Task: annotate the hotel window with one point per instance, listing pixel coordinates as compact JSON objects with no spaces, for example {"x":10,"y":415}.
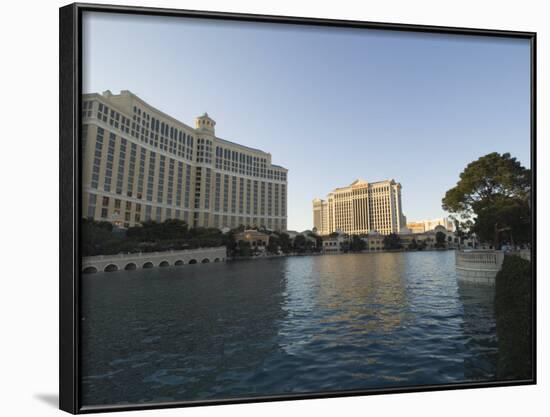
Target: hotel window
{"x":104,"y":213}
{"x":276,"y":199}
{"x":233,"y":194}
{"x":151,"y":176}
{"x":109,"y":164}
{"x":269,"y":198}
{"x":187,"y":185}
{"x":160,"y":189}
{"x":170,"y":180}
{"x":179,"y":185}
{"x":217,"y":192}
{"x":131,"y":170}
{"x":255,"y":197}
{"x":283,"y":200}
{"x":225,"y":193}
{"x":159,"y":214}
{"x":248,"y":195}
{"x":121,"y":162}
{"x":91,"y":205}
{"x":97,"y":158}
{"x":241,"y":195}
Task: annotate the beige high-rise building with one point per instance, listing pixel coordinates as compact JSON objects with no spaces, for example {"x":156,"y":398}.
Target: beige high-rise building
{"x":141,"y":164}
{"x":360,"y":208}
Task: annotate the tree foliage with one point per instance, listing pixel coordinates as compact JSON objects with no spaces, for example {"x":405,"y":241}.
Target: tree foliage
{"x":392,"y":241}
{"x":440,"y":240}
{"x":357,"y":244}
{"x":513,"y":313}
{"x":491,"y":193}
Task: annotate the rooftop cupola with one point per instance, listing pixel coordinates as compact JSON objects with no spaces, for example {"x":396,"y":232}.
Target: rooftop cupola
{"x":205,"y":123}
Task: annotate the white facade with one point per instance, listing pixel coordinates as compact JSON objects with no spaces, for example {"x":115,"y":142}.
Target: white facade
{"x":140,"y":164}
{"x":360,"y":208}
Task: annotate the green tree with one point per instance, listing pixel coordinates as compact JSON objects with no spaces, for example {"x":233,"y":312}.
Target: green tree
{"x":440,"y":239}
{"x":489,"y":190}
{"x":503,"y":218}
{"x":460,"y":232}
{"x":318,"y":245}
{"x":285,"y":243}
{"x":392,"y":241}
{"x":357,"y":244}
{"x":513,"y":314}
{"x":96,"y":235}
{"x":273,"y":245}
{"x":299,"y":244}
{"x":243,"y":248}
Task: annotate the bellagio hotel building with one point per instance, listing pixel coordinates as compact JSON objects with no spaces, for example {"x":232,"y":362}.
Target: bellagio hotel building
{"x":140,"y":164}
{"x":361,"y":208}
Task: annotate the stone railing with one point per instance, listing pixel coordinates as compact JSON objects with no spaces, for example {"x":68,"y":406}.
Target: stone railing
{"x":478,"y":266}
{"x":150,"y":255}
{"x":131,"y":261}
{"x":489,"y":259}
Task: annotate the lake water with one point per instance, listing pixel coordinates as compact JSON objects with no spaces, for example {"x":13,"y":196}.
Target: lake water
{"x":284,"y":325}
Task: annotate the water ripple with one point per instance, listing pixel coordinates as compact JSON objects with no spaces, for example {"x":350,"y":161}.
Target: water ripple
{"x":304,"y":324}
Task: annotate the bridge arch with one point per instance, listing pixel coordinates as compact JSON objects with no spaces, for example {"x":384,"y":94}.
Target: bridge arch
{"x":217,"y":260}
{"x":147,"y":265}
{"x":192,"y":261}
{"x":110,"y":268}
{"x":205,"y":261}
{"x":164,"y":264}
{"x":89,"y":270}
{"x":178,"y":262}
{"x":130,"y":266}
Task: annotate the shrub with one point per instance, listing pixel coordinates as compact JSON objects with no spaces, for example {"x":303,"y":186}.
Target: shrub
{"x":513,"y":311}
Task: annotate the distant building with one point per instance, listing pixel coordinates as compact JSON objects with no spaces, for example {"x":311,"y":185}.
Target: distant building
{"x":336,"y":242}
{"x":255,"y":238}
{"x":360,"y":208}
{"x":141,"y":164}
{"x":374,"y":241}
{"x":428,"y":238}
{"x":416,"y":227}
{"x":427,"y":225}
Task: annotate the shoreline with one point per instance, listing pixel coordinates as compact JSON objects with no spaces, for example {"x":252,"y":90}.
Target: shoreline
{"x":288,"y":255}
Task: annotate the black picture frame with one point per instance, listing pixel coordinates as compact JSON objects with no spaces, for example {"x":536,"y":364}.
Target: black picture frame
{"x":70,"y":89}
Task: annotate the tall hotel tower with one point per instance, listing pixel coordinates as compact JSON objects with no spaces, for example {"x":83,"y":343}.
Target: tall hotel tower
{"x":140,"y":164}
{"x":360,"y":208}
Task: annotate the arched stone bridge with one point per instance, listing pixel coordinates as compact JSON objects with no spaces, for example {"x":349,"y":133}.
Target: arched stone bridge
{"x":131,"y":261}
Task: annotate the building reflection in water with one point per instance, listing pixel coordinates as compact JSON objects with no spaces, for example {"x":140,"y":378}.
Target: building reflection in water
{"x":358,"y":293}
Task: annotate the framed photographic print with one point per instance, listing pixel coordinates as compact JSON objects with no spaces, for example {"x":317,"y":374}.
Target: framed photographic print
{"x":259,"y":208}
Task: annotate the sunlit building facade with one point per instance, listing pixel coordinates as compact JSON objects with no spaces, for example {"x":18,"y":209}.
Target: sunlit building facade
{"x":427,"y":225}
{"x":360,"y":208}
{"x":140,"y":164}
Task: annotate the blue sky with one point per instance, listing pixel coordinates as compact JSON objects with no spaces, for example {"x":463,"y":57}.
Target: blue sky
{"x":330,"y":104}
